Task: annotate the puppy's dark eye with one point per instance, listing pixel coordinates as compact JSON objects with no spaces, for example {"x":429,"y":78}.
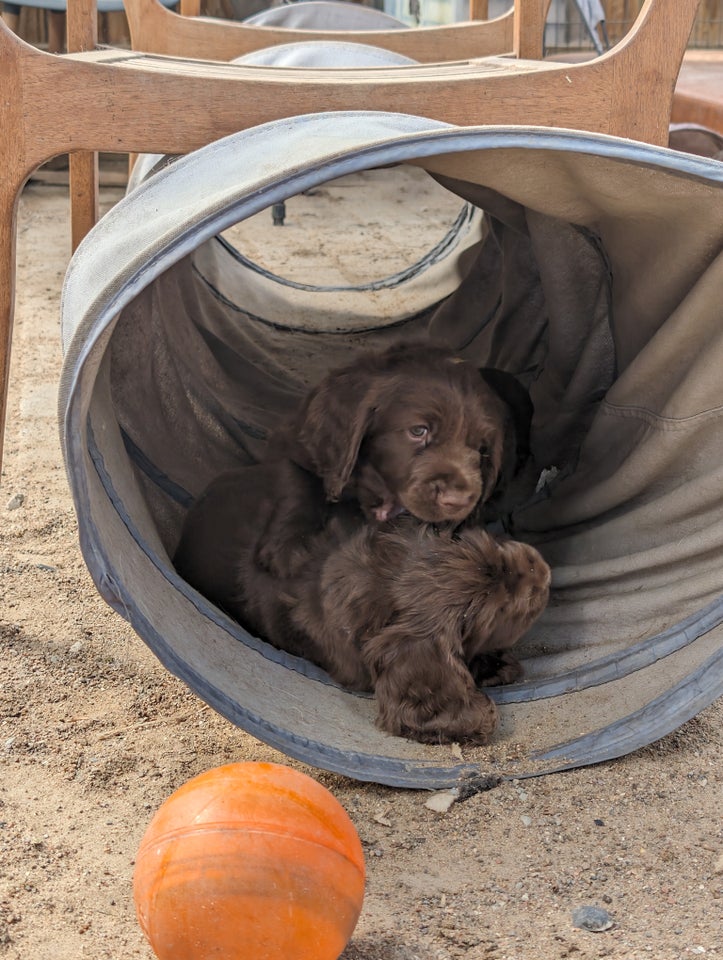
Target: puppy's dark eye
{"x":418,"y":432}
{"x":484,"y":452}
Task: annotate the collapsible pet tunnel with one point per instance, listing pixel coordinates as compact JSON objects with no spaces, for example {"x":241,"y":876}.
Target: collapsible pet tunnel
{"x":595,"y":274}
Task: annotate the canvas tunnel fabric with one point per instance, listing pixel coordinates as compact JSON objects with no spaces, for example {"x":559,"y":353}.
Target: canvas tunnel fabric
{"x":594,"y":274}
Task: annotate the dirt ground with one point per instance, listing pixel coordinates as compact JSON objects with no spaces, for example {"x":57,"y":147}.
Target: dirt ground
{"x":94,"y":735}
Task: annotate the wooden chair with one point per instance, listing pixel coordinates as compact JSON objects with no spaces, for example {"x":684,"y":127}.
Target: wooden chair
{"x":129,"y":102}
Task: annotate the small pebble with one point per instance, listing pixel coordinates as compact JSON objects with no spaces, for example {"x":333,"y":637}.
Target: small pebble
{"x":17,"y":500}
{"x":75,"y":648}
{"x":594,"y":919}
{"x":442,"y":801}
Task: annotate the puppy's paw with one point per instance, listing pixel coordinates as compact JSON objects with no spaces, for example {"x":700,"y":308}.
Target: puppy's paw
{"x":493,"y":669}
{"x":526,"y":578}
{"x":473,"y":719}
{"x":512,"y":595}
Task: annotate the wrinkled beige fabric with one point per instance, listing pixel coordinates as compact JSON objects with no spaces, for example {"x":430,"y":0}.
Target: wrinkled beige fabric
{"x":612,"y":317}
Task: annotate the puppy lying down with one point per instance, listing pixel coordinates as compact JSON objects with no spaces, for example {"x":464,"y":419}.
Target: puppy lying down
{"x":422,"y":618}
{"x":347,"y":544}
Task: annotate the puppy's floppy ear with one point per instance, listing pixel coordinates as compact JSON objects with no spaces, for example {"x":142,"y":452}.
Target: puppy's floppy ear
{"x":517,"y":400}
{"x":332,"y":423}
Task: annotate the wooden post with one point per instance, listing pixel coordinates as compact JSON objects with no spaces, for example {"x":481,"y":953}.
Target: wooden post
{"x":528,"y":31}
{"x":479,"y":9}
{"x":190,"y":8}
{"x":84,"y":173}
{"x":14,"y":174}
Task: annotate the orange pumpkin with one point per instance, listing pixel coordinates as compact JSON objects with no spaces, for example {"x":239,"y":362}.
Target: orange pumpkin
{"x":249,"y":861}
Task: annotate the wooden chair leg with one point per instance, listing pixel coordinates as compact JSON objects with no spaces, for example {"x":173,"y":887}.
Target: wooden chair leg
{"x":24,"y":146}
{"x":84,"y":198}
{"x":479,"y":9}
{"x":56,"y":31}
{"x":528,"y":30}
{"x":9,"y":193}
{"x":15,"y":172}
{"x":84,"y":174}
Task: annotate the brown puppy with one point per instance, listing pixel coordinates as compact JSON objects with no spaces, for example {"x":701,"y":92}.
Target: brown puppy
{"x":422,"y":618}
{"x":412,"y":430}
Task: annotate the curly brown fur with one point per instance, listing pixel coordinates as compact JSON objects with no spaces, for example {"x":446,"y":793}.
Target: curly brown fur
{"x":413,"y":613}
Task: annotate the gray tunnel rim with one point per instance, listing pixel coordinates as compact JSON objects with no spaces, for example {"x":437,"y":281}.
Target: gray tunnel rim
{"x":437,"y":251}
{"x":431,"y":139}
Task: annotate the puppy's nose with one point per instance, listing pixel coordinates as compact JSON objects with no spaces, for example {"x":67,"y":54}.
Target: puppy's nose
{"x":455,"y":499}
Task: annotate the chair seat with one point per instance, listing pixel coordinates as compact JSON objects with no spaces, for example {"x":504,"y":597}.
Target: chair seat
{"x":479,"y":67}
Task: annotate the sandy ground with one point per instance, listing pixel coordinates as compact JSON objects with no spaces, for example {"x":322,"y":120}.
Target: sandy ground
{"x":94,"y":735}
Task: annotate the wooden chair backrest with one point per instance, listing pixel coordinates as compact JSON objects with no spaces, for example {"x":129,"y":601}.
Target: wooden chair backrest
{"x":154,"y":29}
